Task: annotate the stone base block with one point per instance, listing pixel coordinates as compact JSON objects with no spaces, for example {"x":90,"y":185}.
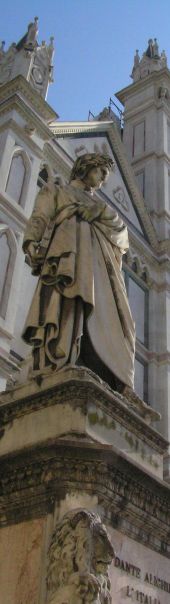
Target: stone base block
{"x":75,"y":405}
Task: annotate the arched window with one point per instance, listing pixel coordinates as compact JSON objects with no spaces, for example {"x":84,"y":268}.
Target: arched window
{"x":14,"y":186}
{"x":44,"y":175}
{"x":7,"y":256}
{"x":42,"y":178}
{"x":134,"y":266}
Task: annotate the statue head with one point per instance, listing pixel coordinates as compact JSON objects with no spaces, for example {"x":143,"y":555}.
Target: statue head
{"x":79,"y":557}
{"x":92,"y":168}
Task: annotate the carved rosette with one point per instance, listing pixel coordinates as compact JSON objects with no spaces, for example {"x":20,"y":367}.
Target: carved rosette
{"x":78,"y":560}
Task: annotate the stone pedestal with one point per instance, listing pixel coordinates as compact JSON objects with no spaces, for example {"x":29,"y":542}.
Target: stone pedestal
{"x":68,"y":442}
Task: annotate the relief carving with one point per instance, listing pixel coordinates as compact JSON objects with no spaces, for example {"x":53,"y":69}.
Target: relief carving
{"x":119,"y":195}
{"x":28,"y":485}
{"x":79,"y":556}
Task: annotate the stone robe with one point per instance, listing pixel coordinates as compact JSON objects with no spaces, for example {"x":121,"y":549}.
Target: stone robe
{"x":81,"y":288}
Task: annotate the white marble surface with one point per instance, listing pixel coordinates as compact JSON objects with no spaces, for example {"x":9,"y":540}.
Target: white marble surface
{"x":133,"y":586}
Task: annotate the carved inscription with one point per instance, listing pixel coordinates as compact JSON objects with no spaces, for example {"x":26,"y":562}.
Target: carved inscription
{"x":140,"y":596}
{"x":157,"y":582}
{"x":148,"y":578}
{"x":135,"y":571}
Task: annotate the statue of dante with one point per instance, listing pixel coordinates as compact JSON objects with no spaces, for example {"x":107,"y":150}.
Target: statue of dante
{"x":80,"y":313}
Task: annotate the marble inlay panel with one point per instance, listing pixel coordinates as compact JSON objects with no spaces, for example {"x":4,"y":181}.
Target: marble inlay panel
{"x":20,"y":555}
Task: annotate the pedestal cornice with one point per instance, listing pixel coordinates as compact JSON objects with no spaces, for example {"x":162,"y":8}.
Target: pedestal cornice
{"x":79,"y":387}
{"x":133,"y":501}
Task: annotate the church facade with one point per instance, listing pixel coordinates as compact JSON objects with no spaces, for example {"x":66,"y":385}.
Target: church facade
{"x":34,"y":147}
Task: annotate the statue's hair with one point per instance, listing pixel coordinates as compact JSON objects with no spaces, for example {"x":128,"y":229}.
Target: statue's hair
{"x":86,"y":162}
{"x":71,"y":549}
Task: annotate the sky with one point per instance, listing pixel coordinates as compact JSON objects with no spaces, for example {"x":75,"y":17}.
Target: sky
{"x":95,"y":42}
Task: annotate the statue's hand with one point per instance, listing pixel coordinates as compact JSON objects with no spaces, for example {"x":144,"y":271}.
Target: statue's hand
{"x":90,"y":212}
{"x":32,"y":251}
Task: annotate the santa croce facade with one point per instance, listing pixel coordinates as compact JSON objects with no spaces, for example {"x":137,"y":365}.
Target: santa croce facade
{"x":70,"y":443}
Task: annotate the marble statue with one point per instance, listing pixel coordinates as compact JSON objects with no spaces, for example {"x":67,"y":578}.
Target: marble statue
{"x":78,"y":560}
{"x":80,"y":312}
{"x":32,"y":33}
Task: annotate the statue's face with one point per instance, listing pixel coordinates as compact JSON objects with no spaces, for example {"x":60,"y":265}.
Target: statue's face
{"x":103,"y":550}
{"x":96,"y":177}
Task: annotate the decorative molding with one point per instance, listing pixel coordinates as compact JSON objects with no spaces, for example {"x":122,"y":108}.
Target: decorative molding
{"x":12,"y":209}
{"x":138,"y":112}
{"x":147,"y":155}
{"x":17,"y":103}
{"x":8,"y":366}
{"x":164,"y":247}
{"x":161,"y":287}
{"x":159,"y":215}
{"x":78,"y":386}
{"x":150,"y":356}
{"x":21,"y":132}
{"x":51,"y":153}
{"x":157,"y":258}
{"x":159,"y":359}
{"x":141,"y":268}
{"x":133,"y":501}
{"x":154,"y":77}
{"x":20,"y":85}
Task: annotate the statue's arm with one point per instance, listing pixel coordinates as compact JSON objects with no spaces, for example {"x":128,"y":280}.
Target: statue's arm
{"x":112,"y":225}
{"x":44,"y":211}
{"x":90,"y":212}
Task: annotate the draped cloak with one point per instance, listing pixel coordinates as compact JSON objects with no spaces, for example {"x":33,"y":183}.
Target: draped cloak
{"x":81,"y":283}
